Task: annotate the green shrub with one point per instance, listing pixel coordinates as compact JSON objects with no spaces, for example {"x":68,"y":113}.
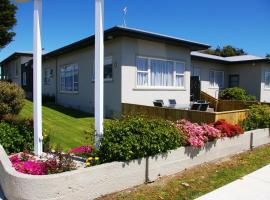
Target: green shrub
{"x":236,"y":93}
{"x":258,"y":116}
{"x":11,"y":98}
{"x":16,"y":136}
{"x":135,"y":137}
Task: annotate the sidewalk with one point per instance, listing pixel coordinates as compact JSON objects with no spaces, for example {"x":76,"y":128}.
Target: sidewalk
{"x":253,"y":186}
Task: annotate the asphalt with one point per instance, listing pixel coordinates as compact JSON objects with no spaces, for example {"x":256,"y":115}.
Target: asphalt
{"x":252,"y":186}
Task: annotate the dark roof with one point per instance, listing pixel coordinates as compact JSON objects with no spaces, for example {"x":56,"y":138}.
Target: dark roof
{"x":15,"y":55}
{"x":118,"y":31}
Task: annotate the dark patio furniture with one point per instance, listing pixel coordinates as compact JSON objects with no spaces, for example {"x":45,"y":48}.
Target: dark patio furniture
{"x":195,"y":106}
{"x":157,"y":104}
{"x":160,"y":101}
{"x":201,"y":101}
{"x":172,"y":101}
{"x":204,"y":106}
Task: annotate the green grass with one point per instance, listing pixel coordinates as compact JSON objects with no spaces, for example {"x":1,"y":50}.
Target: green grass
{"x":200,"y":180}
{"x":66,"y":126}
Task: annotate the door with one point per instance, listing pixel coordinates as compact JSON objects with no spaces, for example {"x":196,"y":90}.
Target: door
{"x":195,"y":88}
{"x":234,"y":80}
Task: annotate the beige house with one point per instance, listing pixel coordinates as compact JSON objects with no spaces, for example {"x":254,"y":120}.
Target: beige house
{"x":216,"y":73}
{"x":140,"y":67}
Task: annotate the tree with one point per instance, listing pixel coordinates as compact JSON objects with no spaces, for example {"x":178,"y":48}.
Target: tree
{"x":7,"y":22}
{"x":226,"y":51}
{"x":267,"y":55}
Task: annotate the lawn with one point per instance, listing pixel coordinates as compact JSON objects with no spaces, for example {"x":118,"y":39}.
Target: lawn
{"x":66,"y":126}
{"x":195,"y":182}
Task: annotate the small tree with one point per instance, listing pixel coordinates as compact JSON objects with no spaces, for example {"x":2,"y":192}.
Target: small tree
{"x":7,"y":22}
{"x":226,"y":51}
{"x":267,"y":55}
{"x":11,"y":98}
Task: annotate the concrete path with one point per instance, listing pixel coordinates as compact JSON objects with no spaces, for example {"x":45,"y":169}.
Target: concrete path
{"x":253,"y":186}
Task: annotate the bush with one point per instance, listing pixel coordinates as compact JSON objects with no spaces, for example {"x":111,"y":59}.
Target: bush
{"x":135,"y":137}
{"x":11,"y":98}
{"x":236,"y":93}
{"x":16,"y":136}
{"x":258,"y":116}
{"x":227,"y":129}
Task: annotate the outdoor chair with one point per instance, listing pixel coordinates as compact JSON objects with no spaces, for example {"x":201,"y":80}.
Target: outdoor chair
{"x":160,"y":101}
{"x":201,"y":101}
{"x":157,"y":104}
{"x":195,"y":106}
{"x":172,"y":102}
{"x":204,"y":106}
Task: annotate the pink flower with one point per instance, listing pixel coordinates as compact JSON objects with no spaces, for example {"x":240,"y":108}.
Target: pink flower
{"x":82,"y":149}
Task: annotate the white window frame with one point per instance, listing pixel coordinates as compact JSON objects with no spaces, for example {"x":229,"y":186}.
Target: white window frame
{"x":105,"y":79}
{"x":174,"y":87}
{"x":215,"y":86}
{"x":267,"y":73}
{"x":60,"y":74}
{"x":48,"y":75}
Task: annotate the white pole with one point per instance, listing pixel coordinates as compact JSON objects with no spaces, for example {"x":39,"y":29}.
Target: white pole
{"x":37,"y":62}
{"x":99,"y":63}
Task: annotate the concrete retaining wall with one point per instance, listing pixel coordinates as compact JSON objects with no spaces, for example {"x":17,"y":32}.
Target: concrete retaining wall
{"x":93,"y":182}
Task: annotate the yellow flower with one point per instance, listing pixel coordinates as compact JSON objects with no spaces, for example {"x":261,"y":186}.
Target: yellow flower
{"x":96,"y":158}
{"x":88,"y":164}
{"x":90,"y":158}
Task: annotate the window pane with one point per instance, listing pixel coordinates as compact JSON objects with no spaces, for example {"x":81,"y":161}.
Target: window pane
{"x":108,"y":71}
{"x":180,"y":68}
{"x":180,"y":80}
{"x":267,"y":79}
{"x":161,"y":73}
{"x":142,"y":64}
{"x":219,"y":79}
{"x":142,"y":78}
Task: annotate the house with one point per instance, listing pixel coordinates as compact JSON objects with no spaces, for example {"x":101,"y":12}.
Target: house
{"x":139,"y":68}
{"x":216,"y":73}
{"x":11,"y":67}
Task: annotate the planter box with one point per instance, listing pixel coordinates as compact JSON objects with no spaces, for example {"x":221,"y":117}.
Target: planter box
{"x":93,"y":182}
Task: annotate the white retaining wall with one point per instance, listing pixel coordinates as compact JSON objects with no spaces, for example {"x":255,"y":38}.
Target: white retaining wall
{"x":93,"y":182}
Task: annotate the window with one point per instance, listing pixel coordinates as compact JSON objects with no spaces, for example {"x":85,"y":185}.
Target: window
{"x":196,"y":72}
{"x":48,"y":75}
{"x":159,"y":72}
{"x":216,"y":79}
{"x":108,"y":69}
{"x":69,"y":75}
{"x":267,"y":79}
{"x":16,"y":69}
{"x":234,"y":80}
{"x":24,"y":81}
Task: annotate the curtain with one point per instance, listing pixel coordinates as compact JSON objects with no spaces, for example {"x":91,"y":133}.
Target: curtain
{"x":161,"y":73}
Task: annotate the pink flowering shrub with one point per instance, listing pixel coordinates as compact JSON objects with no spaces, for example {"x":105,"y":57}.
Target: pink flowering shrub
{"x":81,"y":150}
{"x":197,"y":135}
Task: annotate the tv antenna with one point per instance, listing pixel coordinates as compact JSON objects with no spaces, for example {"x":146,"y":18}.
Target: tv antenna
{"x":125,"y":10}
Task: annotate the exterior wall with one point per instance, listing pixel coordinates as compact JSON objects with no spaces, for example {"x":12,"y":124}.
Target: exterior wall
{"x":250,"y":77}
{"x":265,"y":92}
{"x":137,"y":47}
{"x":205,"y":67}
{"x":84,"y":99}
{"x":49,"y":89}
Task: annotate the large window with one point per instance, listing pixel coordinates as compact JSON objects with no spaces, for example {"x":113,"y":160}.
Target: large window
{"x":267,"y":80}
{"x":48,"y":75}
{"x":159,"y":73}
{"x":24,"y":81}
{"x":69,"y":75}
{"x":234,"y":80}
{"x":216,"y":79}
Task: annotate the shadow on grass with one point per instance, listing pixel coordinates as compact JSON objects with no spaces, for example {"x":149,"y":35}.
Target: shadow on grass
{"x":68,"y":111}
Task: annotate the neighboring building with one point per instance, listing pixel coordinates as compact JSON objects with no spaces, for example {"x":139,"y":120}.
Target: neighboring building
{"x":11,"y":66}
{"x":139,"y":68}
{"x":216,"y":73}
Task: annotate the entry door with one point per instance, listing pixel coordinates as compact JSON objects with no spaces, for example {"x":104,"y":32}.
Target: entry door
{"x":195,"y":88}
{"x":234,"y":80}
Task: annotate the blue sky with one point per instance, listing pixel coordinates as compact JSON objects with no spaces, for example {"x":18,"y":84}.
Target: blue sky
{"x":242,"y":23}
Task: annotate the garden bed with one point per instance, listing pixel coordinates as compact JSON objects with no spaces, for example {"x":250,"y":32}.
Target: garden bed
{"x":90,"y":183}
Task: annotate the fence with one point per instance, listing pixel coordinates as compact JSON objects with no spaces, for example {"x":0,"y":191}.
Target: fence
{"x":228,"y":105}
{"x":175,"y":114}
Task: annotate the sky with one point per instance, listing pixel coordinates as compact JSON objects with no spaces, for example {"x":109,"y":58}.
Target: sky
{"x":241,"y":23}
